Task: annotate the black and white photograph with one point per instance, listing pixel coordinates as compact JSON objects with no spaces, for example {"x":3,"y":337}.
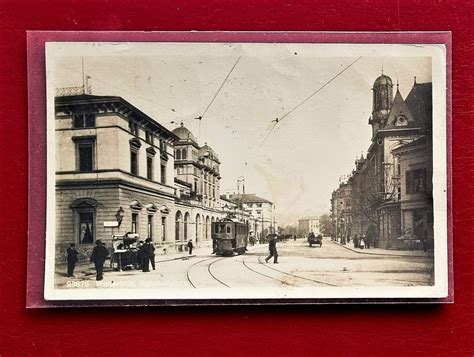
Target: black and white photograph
{"x":246,"y":171}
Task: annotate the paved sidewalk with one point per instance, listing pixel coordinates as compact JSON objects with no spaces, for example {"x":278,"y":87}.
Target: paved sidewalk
{"x":388,"y":252}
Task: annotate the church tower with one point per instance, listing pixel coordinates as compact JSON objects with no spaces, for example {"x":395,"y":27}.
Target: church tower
{"x":382,"y":102}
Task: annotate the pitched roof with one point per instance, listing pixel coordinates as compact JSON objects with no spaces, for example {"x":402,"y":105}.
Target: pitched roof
{"x":399,"y":108}
{"x":249,"y":198}
{"x":420,"y":103}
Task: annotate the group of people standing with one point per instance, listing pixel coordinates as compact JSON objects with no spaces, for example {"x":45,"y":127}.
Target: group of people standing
{"x":146,"y":255}
{"x":98,"y":257}
{"x":362,"y":241}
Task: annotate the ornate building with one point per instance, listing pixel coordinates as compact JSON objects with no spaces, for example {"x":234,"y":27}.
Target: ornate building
{"x":114,"y":173}
{"x":197,"y":181}
{"x":376,"y":181}
{"x":119,"y":171}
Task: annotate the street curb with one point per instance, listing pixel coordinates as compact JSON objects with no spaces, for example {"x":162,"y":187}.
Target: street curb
{"x":382,"y":254}
{"x":186,"y":257}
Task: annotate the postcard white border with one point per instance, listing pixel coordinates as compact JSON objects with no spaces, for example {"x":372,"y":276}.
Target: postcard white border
{"x":439,"y":290}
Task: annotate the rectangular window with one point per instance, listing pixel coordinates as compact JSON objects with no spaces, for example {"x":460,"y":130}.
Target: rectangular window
{"x":149,"y":168}
{"x":416,"y":181}
{"x":163,"y":228}
{"x":84,"y":120}
{"x":149,"y":137}
{"x":150,"y":227}
{"x":133,"y":162}
{"x":86,"y":227}
{"x":162,"y":146}
{"x":163,"y":172}
{"x":85,"y":157}
{"x":133,"y":127}
{"x":85,"y":153}
{"x":134,"y":222}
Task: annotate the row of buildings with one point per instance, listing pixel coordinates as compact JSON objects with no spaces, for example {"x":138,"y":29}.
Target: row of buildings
{"x":388,"y":195}
{"x":119,"y":171}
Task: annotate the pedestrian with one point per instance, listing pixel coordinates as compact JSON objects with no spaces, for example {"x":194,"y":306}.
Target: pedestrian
{"x":71,"y":259}
{"x":356,"y":241}
{"x":99,"y":254}
{"x":139,"y":262}
{"x":151,"y":252}
{"x":145,"y":255}
{"x":362,"y":242}
{"x":294,"y":237}
{"x":368,"y":241}
{"x":214,"y":246}
{"x":190,"y":247}
{"x":273,"y":250}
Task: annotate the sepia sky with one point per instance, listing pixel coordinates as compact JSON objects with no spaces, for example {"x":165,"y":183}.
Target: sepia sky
{"x":300,"y":162}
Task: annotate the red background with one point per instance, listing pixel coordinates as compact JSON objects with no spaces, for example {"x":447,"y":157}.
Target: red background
{"x":319,"y":330}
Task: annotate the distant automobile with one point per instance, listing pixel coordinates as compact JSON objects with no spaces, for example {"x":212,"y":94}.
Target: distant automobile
{"x":313,"y":239}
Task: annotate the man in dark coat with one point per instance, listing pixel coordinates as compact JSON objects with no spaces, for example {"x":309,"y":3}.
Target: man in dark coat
{"x":99,"y":254}
{"x":151,"y":252}
{"x":273,"y":250}
{"x":190,"y":247}
{"x":145,"y":254}
{"x":356,"y":241}
{"x":71,"y":259}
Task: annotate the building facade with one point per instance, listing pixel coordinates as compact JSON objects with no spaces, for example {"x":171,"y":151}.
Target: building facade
{"x":416,"y":202}
{"x":376,"y":183}
{"x":308,"y":225}
{"x":259,"y":211}
{"x":198,"y":185}
{"x":341,"y":211}
{"x":119,"y":171}
{"x":113,"y":164}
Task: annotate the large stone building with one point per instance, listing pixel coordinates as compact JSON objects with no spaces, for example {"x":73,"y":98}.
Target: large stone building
{"x":198,"y":185}
{"x":308,"y":225}
{"x":113,"y":164}
{"x":260,"y":213}
{"x":341,"y":211}
{"x":377,"y":180}
{"x":416,"y":200}
{"x":119,"y":171}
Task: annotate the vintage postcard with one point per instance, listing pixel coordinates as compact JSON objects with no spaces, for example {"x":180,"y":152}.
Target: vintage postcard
{"x":256,"y":171}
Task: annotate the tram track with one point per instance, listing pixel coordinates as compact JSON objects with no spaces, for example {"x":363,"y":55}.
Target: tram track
{"x":289,"y":274}
{"x":190,"y":267}
{"x":216,"y":260}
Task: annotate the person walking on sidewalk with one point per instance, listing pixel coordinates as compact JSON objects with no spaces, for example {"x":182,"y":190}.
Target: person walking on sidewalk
{"x":356,"y":241}
{"x":147,"y":249}
{"x":273,"y":249}
{"x":71,"y":259}
{"x":151,"y":252}
{"x":190,"y":247}
{"x":99,"y":254}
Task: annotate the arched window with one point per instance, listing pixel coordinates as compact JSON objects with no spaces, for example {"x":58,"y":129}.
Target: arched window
{"x":179,"y":219}
{"x":186,"y":220}
{"x":178,"y":154}
{"x":198,"y":227}
{"x":184,"y":154}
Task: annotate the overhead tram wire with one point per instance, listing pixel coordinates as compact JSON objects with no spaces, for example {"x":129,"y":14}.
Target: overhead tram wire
{"x":278,"y":120}
{"x":121,"y":89}
{"x":218,"y":90}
